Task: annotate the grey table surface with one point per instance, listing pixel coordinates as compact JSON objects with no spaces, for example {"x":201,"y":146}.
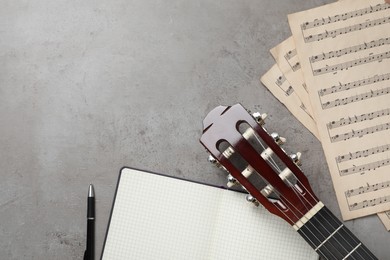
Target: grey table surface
{"x":87,"y":87}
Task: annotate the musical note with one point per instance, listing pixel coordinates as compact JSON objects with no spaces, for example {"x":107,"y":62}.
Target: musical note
{"x":345,"y":16}
{"x":354,"y":84}
{"x":289,"y":91}
{"x":290,"y":54}
{"x":349,"y":64}
{"x":369,"y":203}
{"x":359,"y":133}
{"x":363,"y":153}
{"x":356,"y":119}
{"x":356,"y":98}
{"x":365,"y":167}
{"x":367,"y":189}
{"x":296,"y":66}
{"x":280,"y":80}
{"x":353,"y":49}
{"x":346,"y":30}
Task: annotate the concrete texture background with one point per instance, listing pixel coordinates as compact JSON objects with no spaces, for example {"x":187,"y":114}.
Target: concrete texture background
{"x":90,"y":86}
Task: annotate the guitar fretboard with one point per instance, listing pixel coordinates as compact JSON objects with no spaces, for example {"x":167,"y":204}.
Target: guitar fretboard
{"x":331,"y":239}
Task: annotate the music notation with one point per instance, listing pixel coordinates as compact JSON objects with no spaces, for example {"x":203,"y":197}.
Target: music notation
{"x":356,"y":98}
{"x":296,"y":66}
{"x":346,"y":30}
{"x":354,"y":84}
{"x":289,"y":91}
{"x":343,"y":17}
{"x":360,"y":133}
{"x":365,"y":167}
{"x":363,"y":153}
{"x":290,"y":54}
{"x":366,"y":189}
{"x":348,"y":46}
{"x":353,"y":49}
{"x":357,"y":119}
{"x":280,"y":80}
{"x":349,"y":64}
{"x":369,"y":203}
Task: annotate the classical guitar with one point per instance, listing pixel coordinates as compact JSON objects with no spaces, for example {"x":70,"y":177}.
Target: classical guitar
{"x":238,"y":143}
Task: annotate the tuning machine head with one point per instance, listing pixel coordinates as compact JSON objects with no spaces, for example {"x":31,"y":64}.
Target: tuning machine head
{"x":259,"y":117}
{"x":296,"y":158}
{"x":231,"y":181}
{"x":213,"y":161}
{"x":250,"y":198}
{"x":278,"y":139}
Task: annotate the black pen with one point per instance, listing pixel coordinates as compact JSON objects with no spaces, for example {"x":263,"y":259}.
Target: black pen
{"x":89,"y":253}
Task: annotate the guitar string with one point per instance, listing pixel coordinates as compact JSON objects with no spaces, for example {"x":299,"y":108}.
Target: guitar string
{"x":337,"y":220}
{"x":320,"y":236}
{"x":274,"y":164}
{"x":327,"y":236}
{"x":328,"y":213}
{"x":365,"y":249}
{"x":308,"y":238}
{"x":277,"y":168}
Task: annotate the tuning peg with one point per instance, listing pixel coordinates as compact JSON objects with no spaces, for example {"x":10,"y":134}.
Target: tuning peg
{"x":251,"y":199}
{"x":278,"y":139}
{"x":259,"y":117}
{"x":296,"y":157}
{"x":231,"y":181}
{"x":213,"y":161}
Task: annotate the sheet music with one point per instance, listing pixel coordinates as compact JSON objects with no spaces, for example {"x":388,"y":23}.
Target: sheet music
{"x":284,"y":91}
{"x":344,"y":52}
{"x":285,"y":55}
{"x":284,"y":51}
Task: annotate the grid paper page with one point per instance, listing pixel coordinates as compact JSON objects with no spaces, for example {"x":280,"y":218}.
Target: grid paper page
{"x":248,"y":232}
{"x":158,"y":217}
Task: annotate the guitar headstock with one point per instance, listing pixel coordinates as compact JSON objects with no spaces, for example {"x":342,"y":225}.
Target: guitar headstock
{"x":238,"y":143}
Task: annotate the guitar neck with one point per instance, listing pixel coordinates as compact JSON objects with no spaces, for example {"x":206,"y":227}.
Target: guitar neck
{"x":239,"y":143}
{"x":331,"y":239}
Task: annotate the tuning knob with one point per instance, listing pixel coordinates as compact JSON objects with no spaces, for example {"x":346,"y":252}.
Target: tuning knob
{"x":278,"y":139}
{"x":251,"y":199}
{"x":296,"y":158}
{"x":231,"y":180}
{"x":259,"y":117}
{"x":213,"y":161}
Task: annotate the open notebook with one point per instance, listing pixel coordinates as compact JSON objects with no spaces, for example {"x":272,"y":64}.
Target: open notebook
{"x":160,"y":217}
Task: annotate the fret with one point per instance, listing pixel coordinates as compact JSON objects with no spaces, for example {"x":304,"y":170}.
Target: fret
{"x":331,"y":239}
{"x":331,"y":235}
{"x":361,"y":252}
{"x":353,"y":250}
